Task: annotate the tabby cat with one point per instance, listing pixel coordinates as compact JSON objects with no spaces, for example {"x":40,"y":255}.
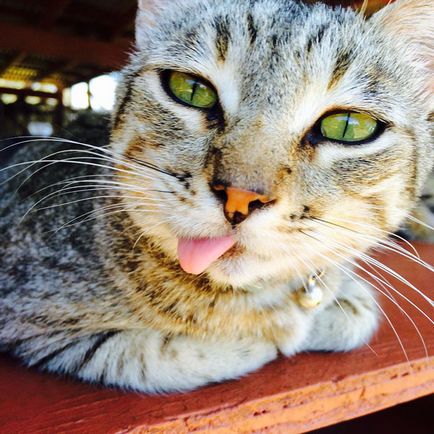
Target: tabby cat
{"x":258,"y":147}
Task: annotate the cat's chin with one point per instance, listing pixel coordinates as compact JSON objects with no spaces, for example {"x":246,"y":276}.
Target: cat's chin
{"x":239,"y":269}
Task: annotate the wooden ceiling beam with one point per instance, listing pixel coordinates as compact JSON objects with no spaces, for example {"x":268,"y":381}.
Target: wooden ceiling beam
{"x":106,"y":56}
{"x":15,"y":60}
{"x":53,"y":12}
{"x":59,"y":67}
{"x":124,"y":21}
{"x":68,"y":74}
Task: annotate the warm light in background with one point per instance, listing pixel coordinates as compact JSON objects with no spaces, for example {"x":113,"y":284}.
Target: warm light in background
{"x":100,"y":91}
{"x":8,"y":98}
{"x":32,"y":100}
{"x":14,"y":84}
{"x":45,"y":87}
{"x":79,"y":98}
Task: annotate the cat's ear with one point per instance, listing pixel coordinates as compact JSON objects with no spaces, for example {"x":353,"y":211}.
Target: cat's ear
{"x":411,"y":24}
{"x":409,"y":19}
{"x":147,"y":16}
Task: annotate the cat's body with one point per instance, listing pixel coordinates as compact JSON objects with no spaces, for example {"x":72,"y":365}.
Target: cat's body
{"x":104,"y":297}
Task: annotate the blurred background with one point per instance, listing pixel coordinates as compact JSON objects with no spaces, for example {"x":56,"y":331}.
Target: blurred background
{"x":57,"y":58}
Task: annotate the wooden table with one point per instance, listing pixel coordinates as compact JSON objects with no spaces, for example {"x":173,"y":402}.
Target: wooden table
{"x":287,"y":396}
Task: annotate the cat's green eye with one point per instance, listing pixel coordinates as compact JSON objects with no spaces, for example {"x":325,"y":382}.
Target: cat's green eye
{"x":349,"y":127}
{"x":191,"y":90}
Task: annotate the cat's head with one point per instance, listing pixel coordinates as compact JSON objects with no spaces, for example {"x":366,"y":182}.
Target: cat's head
{"x":314,"y":119}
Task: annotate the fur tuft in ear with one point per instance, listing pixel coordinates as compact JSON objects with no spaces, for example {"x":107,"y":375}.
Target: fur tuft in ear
{"x":410,"y":23}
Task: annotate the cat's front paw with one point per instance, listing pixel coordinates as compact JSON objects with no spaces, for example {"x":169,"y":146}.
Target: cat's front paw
{"x":348,"y":322}
{"x":147,"y":361}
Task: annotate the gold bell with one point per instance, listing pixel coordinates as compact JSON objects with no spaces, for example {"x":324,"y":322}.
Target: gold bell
{"x":311,"y":295}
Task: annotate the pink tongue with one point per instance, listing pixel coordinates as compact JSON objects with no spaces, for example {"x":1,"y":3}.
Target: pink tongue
{"x":197,"y":255}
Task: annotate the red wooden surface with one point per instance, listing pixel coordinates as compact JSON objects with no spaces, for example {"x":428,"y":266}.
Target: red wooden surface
{"x":289,"y":395}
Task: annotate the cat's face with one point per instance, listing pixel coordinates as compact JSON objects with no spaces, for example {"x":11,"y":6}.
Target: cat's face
{"x":276,"y":69}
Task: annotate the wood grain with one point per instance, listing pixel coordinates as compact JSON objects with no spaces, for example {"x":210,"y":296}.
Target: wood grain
{"x":55,"y":45}
{"x":287,"y":396}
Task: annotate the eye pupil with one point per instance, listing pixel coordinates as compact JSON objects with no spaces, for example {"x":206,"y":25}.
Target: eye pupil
{"x":348,"y":127}
{"x":191,"y":90}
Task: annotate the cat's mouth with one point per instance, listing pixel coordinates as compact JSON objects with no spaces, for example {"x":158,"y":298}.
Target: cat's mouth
{"x":197,"y":254}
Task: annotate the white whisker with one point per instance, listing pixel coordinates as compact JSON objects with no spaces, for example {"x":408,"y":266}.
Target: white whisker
{"x":354,"y":277}
{"x":379,"y":242}
{"x":420,"y":222}
{"x":366,"y":258}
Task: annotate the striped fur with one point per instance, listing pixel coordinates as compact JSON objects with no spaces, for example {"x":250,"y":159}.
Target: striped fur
{"x":103,"y":297}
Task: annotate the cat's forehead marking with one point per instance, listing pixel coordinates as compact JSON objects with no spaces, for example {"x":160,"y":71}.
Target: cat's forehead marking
{"x":251,"y":28}
{"x":223,"y":37}
{"x":341,"y":66}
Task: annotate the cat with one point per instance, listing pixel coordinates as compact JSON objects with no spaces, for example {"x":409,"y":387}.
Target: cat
{"x":257,"y":149}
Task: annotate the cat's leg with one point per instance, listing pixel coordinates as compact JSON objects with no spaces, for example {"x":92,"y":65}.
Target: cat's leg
{"x":150,"y":362}
{"x":346,"y":323}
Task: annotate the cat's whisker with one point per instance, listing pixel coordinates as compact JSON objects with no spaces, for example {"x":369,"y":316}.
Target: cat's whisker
{"x":119,"y":190}
{"x":76,"y":160}
{"x":79,"y":188}
{"x":123,"y":162}
{"x":314,"y":271}
{"x":382,"y":282}
{"x":380,"y":239}
{"x":370,"y":227}
{"x":321,"y":280}
{"x":96,"y":213}
{"x":397,"y":276}
{"x":142,"y":234}
{"x":108,"y":196}
{"x":387,"y":294}
{"x":68,"y":181}
{"x":72,"y":190}
{"x":29,"y":164}
{"x":101,"y":149}
{"x":363,"y":237}
{"x":381,"y":243}
{"x":119,"y":186}
{"x":94,"y":156}
{"x":420,"y":222}
{"x":148,"y":229}
{"x":396,"y":248}
{"x":366,"y":258}
{"x":353,"y":276}
{"x":103,"y":182}
{"x":30,"y":139}
{"x":6,"y":139}
{"x":122,"y":157}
